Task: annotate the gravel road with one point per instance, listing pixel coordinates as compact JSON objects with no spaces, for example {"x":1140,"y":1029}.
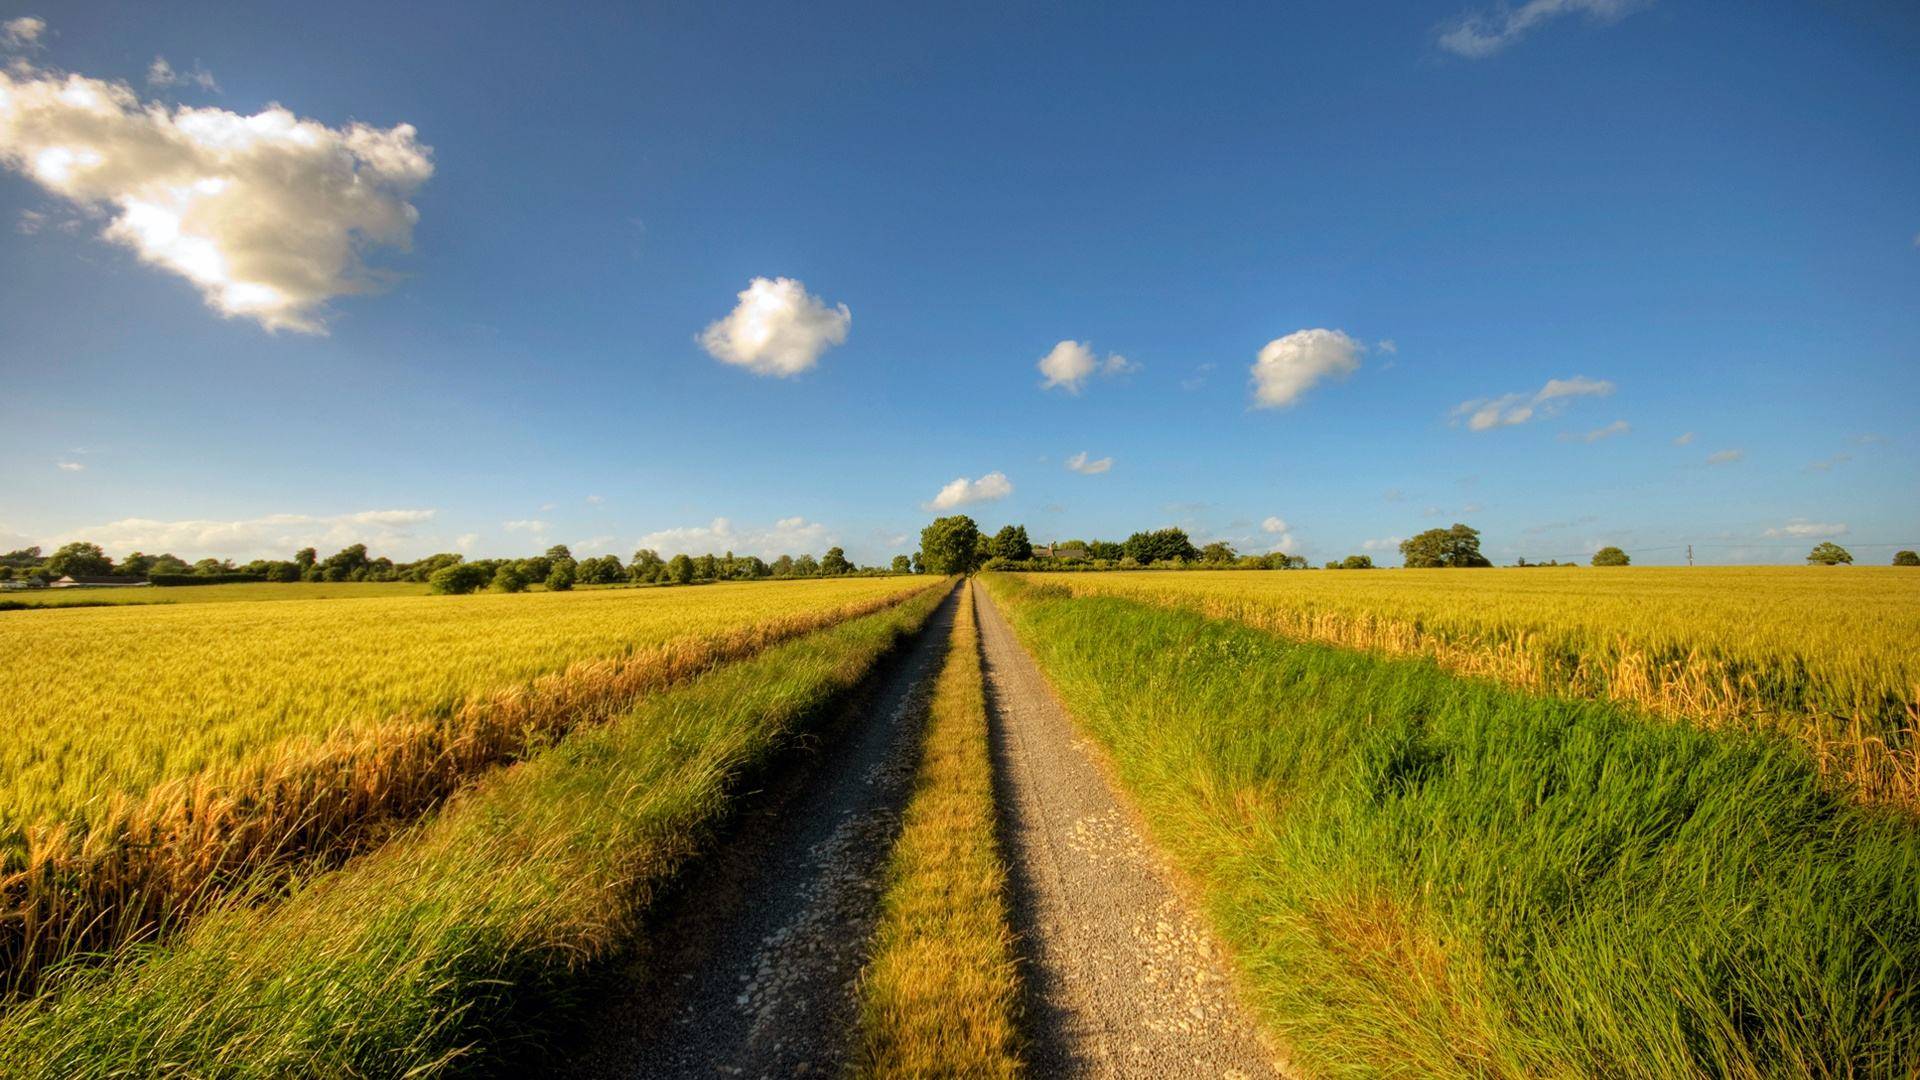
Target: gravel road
{"x":1123,"y":978}
{"x":762,"y":951}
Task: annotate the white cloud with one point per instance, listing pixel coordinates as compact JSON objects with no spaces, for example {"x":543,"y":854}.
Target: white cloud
{"x":1725,"y":457}
{"x":1476,"y":35}
{"x":1802,"y":529}
{"x":962,"y":491}
{"x":777,"y":328}
{"x":1388,"y":346}
{"x":1290,"y":366}
{"x":70,"y":466}
{"x":1827,"y":464}
{"x":1279,"y":534}
{"x":1199,"y":377}
{"x":1071,"y":363}
{"x":465,"y":541}
{"x":1683,"y":439}
{"x":1079,"y":463}
{"x":267,"y":215}
{"x":161,"y":75}
{"x":596,"y":500}
{"x":1618,"y":427}
{"x":23,"y":32}
{"x":787,"y":536}
{"x":1507,"y":410}
{"x":602,"y":544}
{"x":1385,"y":543}
{"x":531,"y":526}
{"x":275,"y":535}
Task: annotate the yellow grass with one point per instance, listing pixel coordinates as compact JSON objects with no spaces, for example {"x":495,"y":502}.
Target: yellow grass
{"x":1828,"y":654}
{"x":163,"y":755}
{"x":938,"y":997}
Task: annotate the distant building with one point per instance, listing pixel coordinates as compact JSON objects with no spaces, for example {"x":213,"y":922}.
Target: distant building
{"x":111,"y":581}
{"x":1061,"y":551}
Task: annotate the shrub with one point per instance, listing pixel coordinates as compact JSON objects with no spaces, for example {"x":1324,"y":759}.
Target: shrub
{"x":1906,"y":558}
{"x":560,"y":579}
{"x":1610,"y":556}
{"x":457,"y":579}
{"x":508,"y":579}
{"x":203,"y":579}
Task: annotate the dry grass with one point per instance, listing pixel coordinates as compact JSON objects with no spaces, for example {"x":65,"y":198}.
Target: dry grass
{"x":141,"y":864}
{"x":939,"y":995}
{"x":1826,"y":655}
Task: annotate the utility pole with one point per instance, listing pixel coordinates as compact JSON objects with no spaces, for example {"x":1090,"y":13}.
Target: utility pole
{"x":1689,"y":554}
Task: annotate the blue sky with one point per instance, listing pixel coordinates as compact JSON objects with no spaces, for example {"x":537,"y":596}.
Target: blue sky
{"x":1667,"y":253}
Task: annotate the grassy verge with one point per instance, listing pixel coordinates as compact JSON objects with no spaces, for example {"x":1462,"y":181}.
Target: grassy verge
{"x":1424,"y":875}
{"x":425,"y":955}
{"x":939,"y":995}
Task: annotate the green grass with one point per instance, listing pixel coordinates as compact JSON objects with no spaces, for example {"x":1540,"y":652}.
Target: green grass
{"x":462,"y":937}
{"x":206,"y":594}
{"x":940,"y":992}
{"x":1424,"y":875}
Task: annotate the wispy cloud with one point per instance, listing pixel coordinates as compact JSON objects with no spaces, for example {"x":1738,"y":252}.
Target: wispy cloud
{"x":273,"y":535}
{"x":23,"y":32}
{"x":777,"y":328}
{"x":1279,"y":533}
{"x":532,"y":526}
{"x":1289,"y":366}
{"x":1384,"y":543}
{"x":787,"y":536}
{"x":595,"y":500}
{"x":161,"y":75}
{"x":1507,"y":410}
{"x":1069,"y":364}
{"x":1683,"y":439}
{"x":1725,"y":457}
{"x":70,"y":466}
{"x":1827,"y":464}
{"x":1618,"y":427}
{"x":1802,"y":529}
{"x":962,"y":491}
{"x":1079,"y":463}
{"x":1479,"y":34}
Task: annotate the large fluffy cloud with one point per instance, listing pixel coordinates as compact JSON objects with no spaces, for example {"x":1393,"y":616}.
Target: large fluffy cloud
{"x":267,"y":215}
{"x":1507,"y":410}
{"x":1070,"y":364}
{"x":962,"y":491}
{"x":1481,"y":34}
{"x":273,"y":536}
{"x":777,"y":328}
{"x":1290,"y":366}
{"x":787,"y":536}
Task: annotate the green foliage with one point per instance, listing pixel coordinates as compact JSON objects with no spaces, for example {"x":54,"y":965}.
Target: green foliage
{"x":507,"y":579}
{"x":1906,"y":558}
{"x":806,"y":566}
{"x":79,"y":559}
{"x":1828,"y":553}
{"x":647,"y":565}
{"x":1011,"y":543}
{"x":1610,"y":556}
{"x":1161,"y":545}
{"x":1457,"y":546}
{"x":560,"y":578}
{"x":902,"y":564}
{"x":834,"y":563}
{"x":1218,"y":553}
{"x":951,"y":545}
{"x":170,"y":580}
{"x":603,"y":570}
{"x":458,"y":579}
{"x":679,"y":570}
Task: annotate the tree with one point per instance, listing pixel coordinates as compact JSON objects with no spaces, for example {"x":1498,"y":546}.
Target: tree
{"x":79,"y":558}
{"x":305,"y":558}
{"x":508,"y":579}
{"x":1458,"y":546}
{"x":559,"y":551}
{"x":1828,"y":553}
{"x":457,"y":578}
{"x":560,"y":578}
{"x":647,"y":565}
{"x":1906,"y":558}
{"x":1357,"y":562}
{"x":834,"y":563}
{"x":1011,"y":543}
{"x":283,"y":571}
{"x":1218,"y":553}
{"x":1610,"y":556}
{"x":902,"y":564}
{"x":782,"y":566}
{"x":806,"y":566}
{"x":951,"y":545}
{"x":1106,"y":549}
{"x":679,"y":569}
{"x":1161,"y":545}
{"x":919,"y":564}
{"x":706,"y":568}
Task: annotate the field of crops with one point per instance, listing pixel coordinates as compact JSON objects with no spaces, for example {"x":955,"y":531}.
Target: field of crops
{"x":156,"y":752}
{"x":1828,"y":654}
{"x":207,"y":594}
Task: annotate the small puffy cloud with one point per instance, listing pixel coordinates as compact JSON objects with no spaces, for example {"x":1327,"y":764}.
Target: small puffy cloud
{"x":272,"y":536}
{"x":787,"y":536}
{"x":1618,"y":427}
{"x":161,"y":75}
{"x":1071,"y":363}
{"x":267,"y":215}
{"x":1394,"y":495}
{"x":596,"y":500}
{"x":70,"y":466}
{"x":1289,"y":366}
{"x":465,"y":541}
{"x":1199,"y":377}
{"x":1384,"y":543}
{"x":1476,"y":35}
{"x":23,"y":32}
{"x":963,"y":491}
{"x":1279,"y":533}
{"x":531,"y":526}
{"x":1683,"y":439}
{"x":1079,"y":463}
{"x":1388,"y":346}
{"x":1802,"y":529}
{"x":1725,"y":457}
{"x":777,"y":328}
{"x":1507,"y":410}
{"x":1829,"y":463}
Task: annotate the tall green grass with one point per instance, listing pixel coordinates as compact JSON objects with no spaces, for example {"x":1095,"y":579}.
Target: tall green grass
{"x":1423,"y":875}
{"x":460,"y":938}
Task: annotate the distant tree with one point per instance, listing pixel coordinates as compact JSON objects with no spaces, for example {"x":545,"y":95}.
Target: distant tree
{"x":1457,"y":546}
{"x":1610,"y":556}
{"x":305,"y":558}
{"x":806,"y":566}
{"x":1828,"y":553}
{"x":281,"y":570}
{"x":1011,"y":543}
{"x":1161,"y":545}
{"x":951,"y":545}
{"x":79,"y":558}
{"x":902,"y":564}
{"x":706,"y":568}
{"x":601,"y":570}
{"x":753,"y":566}
{"x":508,"y":579}
{"x":919,"y":563}
{"x":1357,"y":562}
{"x":560,"y":577}
{"x":834,"y":563}
{"x":647,"y":565}
{"x":559,"y":551}
{"x":1106,"y":549}
{"x":458,"y":578}
{"x":6,"y":572}
{"x":1906,"y":558}
{"x":1218,"y":553}
{"x":782,"y":566}
{"x":679,"y":569}
{"x":22,"y":558}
